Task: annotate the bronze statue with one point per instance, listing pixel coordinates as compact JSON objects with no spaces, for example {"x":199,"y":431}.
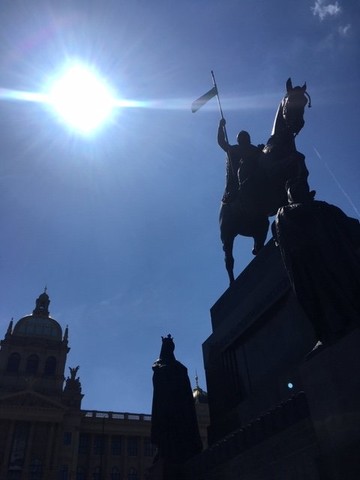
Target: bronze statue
{"x":281,"y":160}
{"x":242,"y":161}
{"x":174,"y":428}
{"x":320,"y":246}
{"x":255,"y":178}
{"x":240,"y":213}
{"x":73,"y":372}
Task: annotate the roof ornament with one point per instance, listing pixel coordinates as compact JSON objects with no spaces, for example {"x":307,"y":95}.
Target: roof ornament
{"x":196,"y":379}
{"x":42,"y":305}
{"x":10,"y":327}
{"x":66,"y":334}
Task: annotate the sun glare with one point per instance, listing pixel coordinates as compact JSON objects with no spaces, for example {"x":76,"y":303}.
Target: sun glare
{"x":81,"y":99}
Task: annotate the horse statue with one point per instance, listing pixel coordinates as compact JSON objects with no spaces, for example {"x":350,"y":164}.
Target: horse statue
{"x":281,"y":162}
{"x":249,"y":201}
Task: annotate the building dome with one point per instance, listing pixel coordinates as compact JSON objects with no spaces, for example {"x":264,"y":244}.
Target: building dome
{"x":200,"y":396}
{"x":39,"y":324}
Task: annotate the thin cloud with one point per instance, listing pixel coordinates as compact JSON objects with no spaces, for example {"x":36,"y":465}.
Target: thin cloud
{"x":323,"y":10}
{"x":344,"y":31}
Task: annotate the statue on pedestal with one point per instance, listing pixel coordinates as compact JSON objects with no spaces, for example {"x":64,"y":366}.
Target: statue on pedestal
{"x":174,"y":428}
{"x":256,"y":176}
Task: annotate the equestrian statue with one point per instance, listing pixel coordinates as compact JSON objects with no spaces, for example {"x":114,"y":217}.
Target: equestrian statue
{"x":256,"y":175}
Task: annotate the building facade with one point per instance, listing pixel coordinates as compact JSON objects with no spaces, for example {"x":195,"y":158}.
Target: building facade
{"x":44,"y":433}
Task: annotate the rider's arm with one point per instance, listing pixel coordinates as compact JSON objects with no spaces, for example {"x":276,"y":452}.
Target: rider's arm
{"x":221,"y":136}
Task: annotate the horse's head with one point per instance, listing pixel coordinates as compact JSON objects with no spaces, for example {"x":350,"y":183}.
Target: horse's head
{"x":293,"y":105}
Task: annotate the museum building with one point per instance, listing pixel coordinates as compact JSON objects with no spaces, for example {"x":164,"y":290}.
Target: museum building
{"x":44,"y":433}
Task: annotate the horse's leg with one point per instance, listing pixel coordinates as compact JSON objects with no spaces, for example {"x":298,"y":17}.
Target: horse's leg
{"x":229,"y":259}
{"x":260,"y":237}
{"x":227,"y":234}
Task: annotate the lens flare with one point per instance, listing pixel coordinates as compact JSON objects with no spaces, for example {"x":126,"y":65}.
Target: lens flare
{"x":81,"y":99}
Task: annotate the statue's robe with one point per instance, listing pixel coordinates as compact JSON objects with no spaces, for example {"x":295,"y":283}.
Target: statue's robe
{"x":174,"y":427}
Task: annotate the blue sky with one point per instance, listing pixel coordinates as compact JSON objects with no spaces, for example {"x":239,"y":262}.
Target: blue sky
{"x":122,"y":226}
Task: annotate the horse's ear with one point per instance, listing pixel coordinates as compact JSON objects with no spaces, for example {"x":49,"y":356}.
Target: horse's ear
{"x":303,"y":88}
{"x":289,"y":86}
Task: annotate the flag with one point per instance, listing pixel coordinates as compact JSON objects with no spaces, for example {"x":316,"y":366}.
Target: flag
{"x":203,"y":99}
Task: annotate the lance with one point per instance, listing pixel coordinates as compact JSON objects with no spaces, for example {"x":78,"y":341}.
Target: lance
{"x":224,"y":126}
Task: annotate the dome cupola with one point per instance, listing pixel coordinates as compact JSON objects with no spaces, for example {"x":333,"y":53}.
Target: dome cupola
{"x":39,"y":324}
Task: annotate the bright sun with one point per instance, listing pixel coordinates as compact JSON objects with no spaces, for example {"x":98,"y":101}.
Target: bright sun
{"x":81,"y":99}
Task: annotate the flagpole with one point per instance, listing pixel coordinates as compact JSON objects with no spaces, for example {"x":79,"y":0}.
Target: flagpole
{"x":217,"y":94}
{"x":223,"y":118}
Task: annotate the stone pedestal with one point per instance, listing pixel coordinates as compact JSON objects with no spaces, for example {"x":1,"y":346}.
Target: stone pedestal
{"x":260,"y":336}
{"x":331,"y":380}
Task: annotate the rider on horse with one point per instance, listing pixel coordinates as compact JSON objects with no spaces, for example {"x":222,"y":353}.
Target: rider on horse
{"x":256,"y":176}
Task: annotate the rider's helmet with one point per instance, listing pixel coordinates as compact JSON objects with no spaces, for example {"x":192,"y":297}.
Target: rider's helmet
{"x":243,"y":138}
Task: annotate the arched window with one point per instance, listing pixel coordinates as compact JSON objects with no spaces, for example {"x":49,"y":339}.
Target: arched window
{"x":50,"y":366}
{"x":32,"y":364}
{"x":115,"y":473}
{"x":13,"y":363}
{"x":132,"y":475}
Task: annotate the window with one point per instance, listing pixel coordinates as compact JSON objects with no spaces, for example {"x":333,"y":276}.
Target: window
{"x":115,"y":473}
{"x":132,"y":475}
{"x":32,"y":364}
{"x":132,"y":446}
{"x":63,"y":472}
{"x":14,"y":475}
{"x":98,"y":444}
{"x":149,"y":449}
{"x":80,"y":473}
{"x":50,"y":366}
{"x":67,"y":438}
{"x":84,"y":443}
{"x":19,"y":445}
{"x":36,"y":470}
{"x":116,"y":445}
{"x":13,"y":363}
{"x":97,"y":473}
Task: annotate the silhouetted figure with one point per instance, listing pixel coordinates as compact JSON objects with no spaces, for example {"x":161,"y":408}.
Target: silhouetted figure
{"x":73,"y":372}
{"x":241,"y":213}
{"x":174,"y":428}
{"x":241,"y":162}
{"x":320,"y":248}
{"x":255,"y":178}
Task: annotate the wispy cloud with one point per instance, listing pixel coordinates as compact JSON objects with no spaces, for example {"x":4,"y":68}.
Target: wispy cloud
{"x":323,"y":9}
{"x":344,"y":31}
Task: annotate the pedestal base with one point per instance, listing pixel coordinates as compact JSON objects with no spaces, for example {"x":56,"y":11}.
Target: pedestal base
{"x":331,"y":381}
